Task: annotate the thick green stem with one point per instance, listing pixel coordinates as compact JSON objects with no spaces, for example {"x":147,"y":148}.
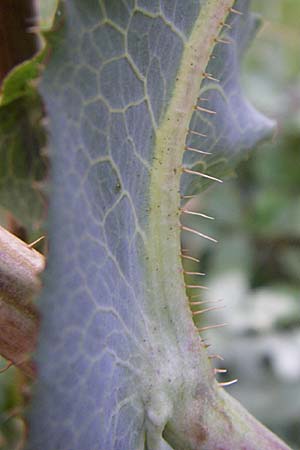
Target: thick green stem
{"x":216,"y":421}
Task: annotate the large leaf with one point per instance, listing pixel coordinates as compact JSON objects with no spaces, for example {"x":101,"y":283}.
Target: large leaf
{"x":120,"y":360}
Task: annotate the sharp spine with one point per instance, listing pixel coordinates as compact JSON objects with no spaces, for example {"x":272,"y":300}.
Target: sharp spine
{"x":195,"y":286}
{"x":197,"y":133}
{"x":222,"y":41}
{"x":209,"y":76}
{"x":226,"y":25}
{"x":194,"y":273}
{"x":210,"y":327}
{"x":191,"y":230}
{"x":235,"y":11}
{"x":216,"y":356}
{"x":216,"y":370}
{"x":200,"y":174}
{"x":32,"y":244}
{"x":190,"y":258}
{"x":193,"y":149}
{"x":193,"y":213}
{"x":208,"y":111}
{"x":228,"y":383}
{"x":202,"y":302}
{"x":202,"y":311}
{"x":7,"y":366}
{"x":188,"y":196}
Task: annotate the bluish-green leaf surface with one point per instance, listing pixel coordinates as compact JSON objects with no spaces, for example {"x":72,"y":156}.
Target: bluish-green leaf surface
{"x":119,"y":355}
{"x":237,"y":126}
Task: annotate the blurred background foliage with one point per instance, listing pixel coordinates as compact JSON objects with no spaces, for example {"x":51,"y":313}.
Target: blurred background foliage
{"x":255,"y":268}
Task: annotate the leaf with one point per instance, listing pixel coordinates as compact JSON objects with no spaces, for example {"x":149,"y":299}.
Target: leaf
{"x":47,"y":11}
{"x":236,"y":126}
{"x":120,"y":360}
{"x":22,"y":139}
{"x":19,"y":81}
{"x":22,"y":166}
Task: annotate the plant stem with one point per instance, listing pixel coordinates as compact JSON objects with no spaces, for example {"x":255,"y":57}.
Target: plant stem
{"x":218,"y":421}
{"x":20,"y":267}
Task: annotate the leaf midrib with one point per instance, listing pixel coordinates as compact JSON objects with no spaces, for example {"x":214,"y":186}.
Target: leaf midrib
{"x":165,"y":279}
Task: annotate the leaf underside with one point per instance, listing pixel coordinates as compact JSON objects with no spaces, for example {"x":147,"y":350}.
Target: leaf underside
{"x":115,"y":358}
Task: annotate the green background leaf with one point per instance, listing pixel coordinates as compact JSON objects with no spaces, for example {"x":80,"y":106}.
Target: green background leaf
{"x":23,"y":167}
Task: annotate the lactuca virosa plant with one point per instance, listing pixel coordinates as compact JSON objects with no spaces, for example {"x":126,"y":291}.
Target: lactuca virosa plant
{"x":145,"y":111}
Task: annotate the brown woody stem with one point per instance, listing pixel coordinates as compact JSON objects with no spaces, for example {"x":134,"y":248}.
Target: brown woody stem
{"x":20,"y":267}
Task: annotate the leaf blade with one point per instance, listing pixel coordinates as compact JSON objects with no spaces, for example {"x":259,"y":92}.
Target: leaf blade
{"x":110,"y":313}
